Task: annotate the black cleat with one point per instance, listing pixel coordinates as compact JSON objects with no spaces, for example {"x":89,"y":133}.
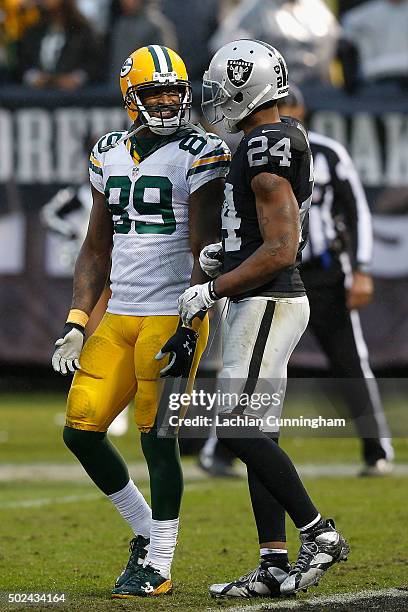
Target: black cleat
{"x":320,"y":549}
{"x":138,"y":548}
{"x":143,"y":581}
{"x":263,"y":581}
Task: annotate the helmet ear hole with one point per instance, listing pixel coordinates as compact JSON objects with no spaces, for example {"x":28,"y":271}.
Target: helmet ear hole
{"x":239,"y":97}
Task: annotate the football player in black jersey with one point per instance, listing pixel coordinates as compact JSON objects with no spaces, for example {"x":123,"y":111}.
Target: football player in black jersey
{"x":264,"y":228}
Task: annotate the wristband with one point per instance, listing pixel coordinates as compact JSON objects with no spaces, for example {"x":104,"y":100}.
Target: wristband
{"x":79,"y":317}
{"x":211,"y":291}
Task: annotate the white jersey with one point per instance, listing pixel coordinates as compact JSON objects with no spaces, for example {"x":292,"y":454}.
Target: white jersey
{"x":148,"y":200}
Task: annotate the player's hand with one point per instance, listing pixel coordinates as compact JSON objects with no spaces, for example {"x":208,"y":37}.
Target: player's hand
{"x":181,"y":348}
{"x":195,"y":300}
{"x":211,"y":258}
{"x":361,"y":291}
{"x":68,"y":348}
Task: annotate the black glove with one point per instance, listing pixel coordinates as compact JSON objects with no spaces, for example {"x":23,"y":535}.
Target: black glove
{"x":181,"y":347}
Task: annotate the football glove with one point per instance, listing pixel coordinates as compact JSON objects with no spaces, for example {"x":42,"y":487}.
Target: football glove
{"x":66,"y":356}
{"x":181,"y":348}
{"x":211,"y":258}
{"x":196,"y":299}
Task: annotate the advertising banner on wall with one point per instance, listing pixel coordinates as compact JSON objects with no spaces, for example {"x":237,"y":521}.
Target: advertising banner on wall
{"x":44,"y":148}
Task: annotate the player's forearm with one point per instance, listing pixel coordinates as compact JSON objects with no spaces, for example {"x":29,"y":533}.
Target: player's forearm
{"x":91,"y":273}
{"x":260,"y":268}
{"x":197,"y":275}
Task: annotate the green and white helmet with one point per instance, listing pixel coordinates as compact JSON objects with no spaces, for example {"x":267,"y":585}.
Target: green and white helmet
{"x":243,"y":75}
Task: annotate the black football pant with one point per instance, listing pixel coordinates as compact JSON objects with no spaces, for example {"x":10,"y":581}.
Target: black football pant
{"x":339,"y":334}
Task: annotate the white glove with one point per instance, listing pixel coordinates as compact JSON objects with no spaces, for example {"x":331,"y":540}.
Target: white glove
{"x":211,"y":259}
{"x":194,"y":300}
{"x":69,"y":347}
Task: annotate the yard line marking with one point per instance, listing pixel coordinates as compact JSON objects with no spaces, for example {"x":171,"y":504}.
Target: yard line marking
{"x":71,"y":499}
{"x":341,"y":598}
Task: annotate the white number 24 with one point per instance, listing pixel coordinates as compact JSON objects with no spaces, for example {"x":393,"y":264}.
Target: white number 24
{"x":279,"y":149}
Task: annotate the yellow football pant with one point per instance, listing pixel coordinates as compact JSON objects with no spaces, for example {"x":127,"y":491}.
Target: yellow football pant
{"x":117,"y":364}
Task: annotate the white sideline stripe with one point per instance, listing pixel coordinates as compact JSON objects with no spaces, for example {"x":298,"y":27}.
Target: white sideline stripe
{"x":72,"y":499}
{"x":47,"y":472}
{"x":341,"y":598}
{"x":48,"y":501}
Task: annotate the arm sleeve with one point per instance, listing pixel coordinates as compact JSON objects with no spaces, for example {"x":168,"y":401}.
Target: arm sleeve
{"x":95,"y":169}
{"x":211,"y":162}
{"x":351,"y":203}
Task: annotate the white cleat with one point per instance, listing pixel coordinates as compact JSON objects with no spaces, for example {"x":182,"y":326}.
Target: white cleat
{"x":264,"y":581}
{"x":319,"y":550}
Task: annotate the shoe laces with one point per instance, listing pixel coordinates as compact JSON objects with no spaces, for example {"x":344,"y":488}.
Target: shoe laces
{"x":251,"y":576}
{"x":134,"y":552}
{"x":306,"y":554}
{"x":145,"y":572}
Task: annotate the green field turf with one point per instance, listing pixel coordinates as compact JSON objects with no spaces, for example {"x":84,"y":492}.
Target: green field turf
{"x":65,"y":537}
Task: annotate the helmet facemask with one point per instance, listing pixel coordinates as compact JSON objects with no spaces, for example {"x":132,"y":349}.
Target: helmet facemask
{"x":161,"y":124}
{"x":214,"y":95}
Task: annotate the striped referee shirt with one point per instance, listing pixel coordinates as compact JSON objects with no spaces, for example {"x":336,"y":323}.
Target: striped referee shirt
{"x":339,"y":217}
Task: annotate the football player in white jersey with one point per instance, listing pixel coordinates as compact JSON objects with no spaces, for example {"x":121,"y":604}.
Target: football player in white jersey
{"x":157,"y":193}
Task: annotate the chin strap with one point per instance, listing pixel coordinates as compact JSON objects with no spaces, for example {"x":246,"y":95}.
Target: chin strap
{"x":251,"y":106}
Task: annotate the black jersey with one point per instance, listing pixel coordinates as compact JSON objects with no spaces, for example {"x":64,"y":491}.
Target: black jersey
{"x":282,"y":149}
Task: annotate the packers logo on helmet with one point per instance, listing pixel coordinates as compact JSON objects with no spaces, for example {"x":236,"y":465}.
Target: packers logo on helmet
{"x":156,"y":68}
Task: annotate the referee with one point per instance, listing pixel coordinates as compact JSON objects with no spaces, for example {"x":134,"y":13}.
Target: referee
{"x":335,"y":272}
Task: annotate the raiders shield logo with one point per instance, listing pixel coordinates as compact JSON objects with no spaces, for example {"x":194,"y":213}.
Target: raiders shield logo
{"x":239,"y":71}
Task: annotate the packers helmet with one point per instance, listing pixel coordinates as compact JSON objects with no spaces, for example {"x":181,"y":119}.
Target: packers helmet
{"x":156,"y":67}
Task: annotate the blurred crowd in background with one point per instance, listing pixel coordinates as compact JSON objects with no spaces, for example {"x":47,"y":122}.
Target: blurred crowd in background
{"x":66,"y":44}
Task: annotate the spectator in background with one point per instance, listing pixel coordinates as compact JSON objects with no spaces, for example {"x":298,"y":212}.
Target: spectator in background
{"x":62,"y":50}
{"x":15,"y":17}
{"x":374,"y":47}
{"x":138,"y":24}
{"x":97,"y":13}
{"x":346,"y":5}
{"x":193,"y":40}
{"x":305,"y":31}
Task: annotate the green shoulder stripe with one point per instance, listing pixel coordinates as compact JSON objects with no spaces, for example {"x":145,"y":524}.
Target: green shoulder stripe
{"x":95,"y":168}
{"x":213,"y":153}
{"x":205,"y":167}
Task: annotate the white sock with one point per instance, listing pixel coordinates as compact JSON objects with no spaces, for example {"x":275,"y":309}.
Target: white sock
{"x":133,"y":507}
{"x":163,"y":539}
{"x":311,"y":524}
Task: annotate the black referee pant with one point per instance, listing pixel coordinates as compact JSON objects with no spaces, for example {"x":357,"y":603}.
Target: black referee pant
{"x":338,"y":331}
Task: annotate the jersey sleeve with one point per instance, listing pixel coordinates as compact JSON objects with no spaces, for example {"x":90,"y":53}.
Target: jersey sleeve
{"x":269,"y":151}
{"x":95,"y":169}
{"x":351,"y":203}
{"x":211,"y":161}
